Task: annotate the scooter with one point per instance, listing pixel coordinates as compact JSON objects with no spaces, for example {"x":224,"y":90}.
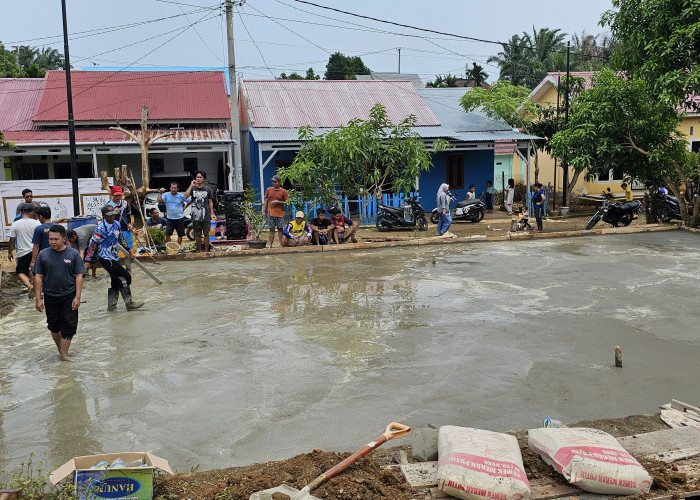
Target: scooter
{"x":468,"y":210}
{"x":410,"y":215}
{"x":615,"y":213}
{"x":668,"y":208}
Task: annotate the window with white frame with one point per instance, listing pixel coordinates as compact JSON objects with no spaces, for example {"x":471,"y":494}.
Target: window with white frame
{"x":612,"y":175}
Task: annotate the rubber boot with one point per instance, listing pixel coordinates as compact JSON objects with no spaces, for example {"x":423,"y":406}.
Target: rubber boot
{"x":130,"y":303}
{"x":112,"y":299}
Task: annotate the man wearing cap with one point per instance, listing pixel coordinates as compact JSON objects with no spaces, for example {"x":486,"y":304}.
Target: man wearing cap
{"x":21,"y":234}
{"x":59,"y":269}
{"x":103,"y":248}
{"x":297,"y":233}
{"x":273,"y":207}
{"x":124,"y":215}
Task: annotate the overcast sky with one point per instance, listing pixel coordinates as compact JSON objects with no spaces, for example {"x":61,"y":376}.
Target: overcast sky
{"x":274,"y":36}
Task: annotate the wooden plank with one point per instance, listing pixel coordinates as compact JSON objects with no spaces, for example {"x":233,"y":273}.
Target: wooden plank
{"x":668,"y":445}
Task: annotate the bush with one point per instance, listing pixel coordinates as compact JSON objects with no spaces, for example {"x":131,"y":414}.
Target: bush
{"x":158,"y":235}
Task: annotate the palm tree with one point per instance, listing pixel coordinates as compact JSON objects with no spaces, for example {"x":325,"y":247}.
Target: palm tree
{"x":48,"y":58}
{"x":476,"y":75}
{"x":514,"y":60}
{"x":591,"y":52}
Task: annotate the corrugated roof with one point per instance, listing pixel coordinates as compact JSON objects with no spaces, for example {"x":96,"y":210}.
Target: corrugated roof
{"x":330,"y":103}
{"x":411,"y":77}
{"x":118,"y":96}
{"x":190,"y":134}
{"x":444,"y":102}
{"x":19,"y":98}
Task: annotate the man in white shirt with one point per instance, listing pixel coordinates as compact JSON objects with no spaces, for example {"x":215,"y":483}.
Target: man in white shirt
{"x":21,"y":233}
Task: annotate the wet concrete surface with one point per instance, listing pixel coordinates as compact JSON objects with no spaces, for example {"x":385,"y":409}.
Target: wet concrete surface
{"x":236,"y":361}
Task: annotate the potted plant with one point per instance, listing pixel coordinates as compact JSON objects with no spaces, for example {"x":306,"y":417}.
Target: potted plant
{"x":255,"y":219}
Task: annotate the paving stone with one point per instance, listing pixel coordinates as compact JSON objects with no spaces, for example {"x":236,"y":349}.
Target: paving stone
{"x":425,"y":444}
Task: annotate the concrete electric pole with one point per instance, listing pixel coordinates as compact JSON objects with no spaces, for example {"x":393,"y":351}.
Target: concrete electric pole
{"x":235,"y":128}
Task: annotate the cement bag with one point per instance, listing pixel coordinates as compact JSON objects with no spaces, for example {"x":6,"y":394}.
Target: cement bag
{"x":475,"y":464}
{"x":591,"y":459}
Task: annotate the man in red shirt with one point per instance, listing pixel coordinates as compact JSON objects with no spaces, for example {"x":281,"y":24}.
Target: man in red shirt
{"x":273,"y":207}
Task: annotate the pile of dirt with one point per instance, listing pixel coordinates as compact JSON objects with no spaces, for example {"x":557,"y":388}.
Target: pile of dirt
{"x":373,"y":478}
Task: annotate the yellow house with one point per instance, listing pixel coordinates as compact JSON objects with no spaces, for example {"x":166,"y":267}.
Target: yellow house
{"x":546,"y":94}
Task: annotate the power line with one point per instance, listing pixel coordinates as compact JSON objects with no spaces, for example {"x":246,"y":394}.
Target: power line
{"x":200,"y":36}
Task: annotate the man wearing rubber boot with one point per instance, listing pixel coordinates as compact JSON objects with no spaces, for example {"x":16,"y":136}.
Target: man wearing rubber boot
{"x":103,"y":248}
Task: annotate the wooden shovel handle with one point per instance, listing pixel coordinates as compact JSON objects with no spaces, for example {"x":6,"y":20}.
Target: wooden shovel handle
{"x":393,"y":430}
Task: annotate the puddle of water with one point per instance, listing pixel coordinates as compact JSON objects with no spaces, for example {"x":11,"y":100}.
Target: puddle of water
{"x":241,"y":360}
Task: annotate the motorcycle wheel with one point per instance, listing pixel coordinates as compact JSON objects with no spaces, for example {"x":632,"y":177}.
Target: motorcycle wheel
{"x":189,"y":232}
{"x":434,"y":217}
{"x":479,"y":215}
{"x":422,"y":223}
{"x":592,"y":222}
{"x":663,"y":216}
{"x":383,"y":224}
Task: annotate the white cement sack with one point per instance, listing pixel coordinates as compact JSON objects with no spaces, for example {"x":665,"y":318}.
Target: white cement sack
{"x":591,"y":459}
{"x":475,"y":464}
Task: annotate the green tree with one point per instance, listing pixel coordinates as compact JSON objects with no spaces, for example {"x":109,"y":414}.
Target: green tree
{"x":5,"y":144}
{"x":617,"y":123}
{"x":514,"y":60}
{"x":363,"y":158}
{"x":33,"y":62}
{"x":341,"y":67}
{"x":310,"y":75}
{"x":591,"y":52}
{"x":449,"y":80}
{"x":477,"y":75}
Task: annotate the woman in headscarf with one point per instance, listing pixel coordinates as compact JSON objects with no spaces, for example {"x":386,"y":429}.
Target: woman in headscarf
{"x":443,"y":208}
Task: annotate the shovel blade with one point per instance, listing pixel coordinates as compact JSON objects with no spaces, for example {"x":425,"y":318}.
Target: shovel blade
{"x":284,"y":489}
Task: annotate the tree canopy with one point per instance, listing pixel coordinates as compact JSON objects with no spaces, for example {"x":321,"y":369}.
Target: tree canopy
{"x":29,"y":62}
{"x":659,"y":43}
{"x":310,"y":75}
{"x":364,"y":157}
{"x":342,"y":67}
{"x":476,"y":75}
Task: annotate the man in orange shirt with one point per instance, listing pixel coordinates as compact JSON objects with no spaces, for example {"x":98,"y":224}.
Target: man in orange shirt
{"x":273,"y":207}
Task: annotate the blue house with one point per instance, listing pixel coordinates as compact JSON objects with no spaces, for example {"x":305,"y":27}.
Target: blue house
{"x":271,"y":112}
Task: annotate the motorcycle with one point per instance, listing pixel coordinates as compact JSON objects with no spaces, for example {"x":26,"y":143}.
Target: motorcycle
{"x":668,"y":208}
{"x":615,"y":213}
{"x":410,"y":215}
{"x":468,"y":210}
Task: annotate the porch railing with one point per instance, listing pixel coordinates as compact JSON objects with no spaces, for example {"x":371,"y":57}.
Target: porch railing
{"x":359,"y":208}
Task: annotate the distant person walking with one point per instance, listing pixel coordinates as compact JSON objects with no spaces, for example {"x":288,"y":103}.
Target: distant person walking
{"x":508,"y":196}
{"x":443,"y":208}
{"x":273,"y":207}
{"x":59,"y":271}
{"x":538,"y":200}
{"x":103,"y":248}
{"x":21,"y":234}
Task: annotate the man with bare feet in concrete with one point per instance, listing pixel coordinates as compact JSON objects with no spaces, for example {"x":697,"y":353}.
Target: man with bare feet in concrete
{"x":59,"y":269}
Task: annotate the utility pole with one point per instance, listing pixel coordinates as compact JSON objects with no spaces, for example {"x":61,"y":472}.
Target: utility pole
{"x":399,"y":49}
{"x":235,"y":127}
{"x":565,"y":163}
{"x":71,"y":122}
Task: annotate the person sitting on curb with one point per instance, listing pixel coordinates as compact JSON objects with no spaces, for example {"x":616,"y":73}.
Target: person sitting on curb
{"x":297,"y":233}
{"x":321,"y":227}
{"x":104,"y":248}
{"x":344,"y":228}
{"x":155,"y":220}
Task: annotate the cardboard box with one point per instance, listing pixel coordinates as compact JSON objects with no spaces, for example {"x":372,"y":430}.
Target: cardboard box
{"x":126,"y":483}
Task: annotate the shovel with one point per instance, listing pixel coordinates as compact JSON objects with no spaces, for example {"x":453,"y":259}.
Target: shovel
{"x":393,"y":431}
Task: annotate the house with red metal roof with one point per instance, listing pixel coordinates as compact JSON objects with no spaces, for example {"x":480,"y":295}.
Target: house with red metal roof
{"x":271,"y":112}
{"x":192,"y":107}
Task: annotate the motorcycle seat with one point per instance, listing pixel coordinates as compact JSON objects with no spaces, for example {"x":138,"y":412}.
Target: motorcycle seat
{"x":631,"y":205}
{"x":672,"y":199}
{"x":465,"y":203}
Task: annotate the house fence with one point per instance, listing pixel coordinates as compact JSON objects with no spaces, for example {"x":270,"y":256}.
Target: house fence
{"x":364,"y":210}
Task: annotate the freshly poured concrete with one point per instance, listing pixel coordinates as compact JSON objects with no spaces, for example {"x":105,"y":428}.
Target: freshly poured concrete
{"x":235,"y":361}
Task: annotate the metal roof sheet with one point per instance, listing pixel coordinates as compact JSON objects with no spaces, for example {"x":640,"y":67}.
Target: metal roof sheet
{"x":191,"y":134}
{"x":117,"y":96}
{"x":411,"y":77}
{"x":19,"y":98}
{"x":330,"y":103}
{"x":444,"y":102}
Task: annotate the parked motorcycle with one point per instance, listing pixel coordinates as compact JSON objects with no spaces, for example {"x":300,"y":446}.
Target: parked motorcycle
{"x":668,"y":208}
{"x":468,"y":210}
{"x":615,"y":213}
{"x":410,"y":215}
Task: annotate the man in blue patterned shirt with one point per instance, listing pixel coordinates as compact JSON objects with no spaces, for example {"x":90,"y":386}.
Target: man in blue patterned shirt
{"x":103,"y":248}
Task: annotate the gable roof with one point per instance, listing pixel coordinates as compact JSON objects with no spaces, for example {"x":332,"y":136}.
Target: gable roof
{"x":552,"y":80}
{"x":19,"y":98}
{"x":107,"y":96}
{"x":330,"y":103}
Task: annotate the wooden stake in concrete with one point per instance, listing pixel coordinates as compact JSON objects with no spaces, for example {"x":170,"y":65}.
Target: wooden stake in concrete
{"x":618,"y":356}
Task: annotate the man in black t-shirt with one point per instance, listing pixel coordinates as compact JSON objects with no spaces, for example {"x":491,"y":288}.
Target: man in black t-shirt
{"x":60,"y":270}
{"x":321,"y":227}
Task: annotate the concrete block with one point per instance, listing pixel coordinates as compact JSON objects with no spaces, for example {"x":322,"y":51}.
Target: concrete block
{"x":425,"y":444}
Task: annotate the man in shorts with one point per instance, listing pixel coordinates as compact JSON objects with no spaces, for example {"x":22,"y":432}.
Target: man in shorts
{"x":21,"y":234}
{"x":273,"y":207}
{"x":175,"y":204}
{"x":59,"y":269}
{"x":202,"y":209}
{"x":344,"y":230}
{"x":321,"y":227}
